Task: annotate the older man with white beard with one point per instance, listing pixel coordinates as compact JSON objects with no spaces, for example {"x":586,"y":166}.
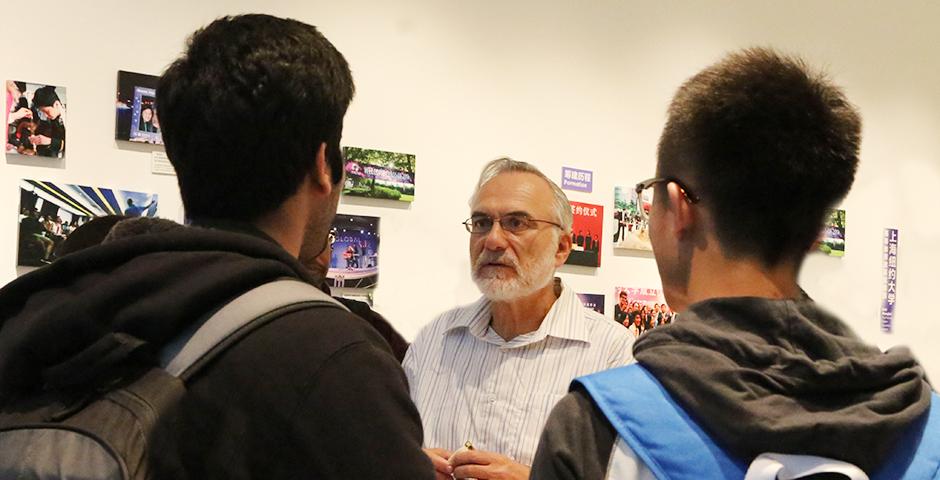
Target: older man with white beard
{"x":485,"y":376}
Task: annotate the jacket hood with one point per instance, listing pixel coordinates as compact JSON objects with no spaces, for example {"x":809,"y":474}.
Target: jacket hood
{"x":785,"y":376}
{"x":67,"y":325}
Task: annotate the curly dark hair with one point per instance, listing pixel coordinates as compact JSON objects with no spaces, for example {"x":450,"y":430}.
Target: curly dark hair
{"x":245,"y":109}
{"x":769,"y":145}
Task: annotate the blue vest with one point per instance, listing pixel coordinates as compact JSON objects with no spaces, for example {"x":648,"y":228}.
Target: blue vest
{"x":673,"y":446}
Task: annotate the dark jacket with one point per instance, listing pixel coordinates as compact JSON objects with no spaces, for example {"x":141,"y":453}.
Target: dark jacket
{"x":397,"y":343}
{"x":759,"y":376}
{"x":55,"y":130}
{"x":315,"y":393}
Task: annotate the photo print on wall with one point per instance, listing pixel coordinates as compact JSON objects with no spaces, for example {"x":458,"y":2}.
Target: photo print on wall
{"x":832,"y":242}
{"x":354,"y":262}
{"x":586,"y":234}
{"x":35,"y":119}
{"x":641,"y":309}
{"x":50,"y":211}
{"x":136,"y":109}
{"x":631,"y":232}
{"x":593,"y":301}
{"x":379,"y":174}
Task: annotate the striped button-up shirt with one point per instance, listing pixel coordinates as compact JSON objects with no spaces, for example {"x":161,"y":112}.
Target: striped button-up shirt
{"x":470,"y":384}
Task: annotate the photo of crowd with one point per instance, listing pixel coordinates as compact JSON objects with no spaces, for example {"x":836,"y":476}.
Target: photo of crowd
{"x":832,"y":242}
{"x":586,"y":234}
{"x":354,"y":262}
{"x":50,"y":211}
{"x":379,"y":174}
{"x":136,"y":109}
{"x":35,"y":119}
{"x":631,"y":230}
{"x":641,"y":309}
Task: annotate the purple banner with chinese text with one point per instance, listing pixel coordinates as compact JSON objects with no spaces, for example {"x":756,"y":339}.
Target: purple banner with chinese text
{"x":889,"y":264}
{"x":575,"y":179}
{"x":358,"y":169}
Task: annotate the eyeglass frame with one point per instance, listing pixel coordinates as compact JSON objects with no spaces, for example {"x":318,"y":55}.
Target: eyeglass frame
{"x":690,"y":197}
{"x":468,"y":223}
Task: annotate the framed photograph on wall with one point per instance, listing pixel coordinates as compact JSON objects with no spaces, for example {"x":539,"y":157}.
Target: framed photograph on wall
{"x":593,"y":301}
{"x":832,"y":242}
{"x":379,"y":174}
{"x":136,"y":117}
{"x":586,"y":234}
{"x":35,"y":119}
{"x":631,"y":231}
{"x":354,"y":262}
{"x":641,"y":309}
{"x":50,"y":211}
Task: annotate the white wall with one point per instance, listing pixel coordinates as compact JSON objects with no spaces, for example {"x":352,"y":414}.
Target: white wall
{"x":583,"y":84}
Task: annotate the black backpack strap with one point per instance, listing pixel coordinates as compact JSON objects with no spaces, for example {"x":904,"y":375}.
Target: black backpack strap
{"x":200,"y":343}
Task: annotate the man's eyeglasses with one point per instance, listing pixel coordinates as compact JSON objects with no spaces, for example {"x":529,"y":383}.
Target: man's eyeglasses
{"x":645,"y":184}
{"x":512,"y":223}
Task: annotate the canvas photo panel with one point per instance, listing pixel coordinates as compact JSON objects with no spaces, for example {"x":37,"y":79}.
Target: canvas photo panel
{"x":641,"y":309}
{"x":136,"y":117}
{"x":50,"y":211}
{"x":631,"y":231}
{"x":35,"y":119}
{"x":354,"y":262}
{"x":379,"y":174}
{"x":593,"y":301}
{"x":832,"y":241}
{"x":586,"y":234}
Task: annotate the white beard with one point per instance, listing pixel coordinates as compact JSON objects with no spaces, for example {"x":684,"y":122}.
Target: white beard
{"x":498,"y":285}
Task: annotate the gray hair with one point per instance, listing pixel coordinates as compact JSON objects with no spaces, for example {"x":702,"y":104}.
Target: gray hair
{"x":506,"y":165}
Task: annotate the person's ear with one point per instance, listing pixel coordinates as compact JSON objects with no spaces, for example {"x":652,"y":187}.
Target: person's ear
{"x":682,"y":213}
{"x":564,"y":248}
{"x":321,"y":175}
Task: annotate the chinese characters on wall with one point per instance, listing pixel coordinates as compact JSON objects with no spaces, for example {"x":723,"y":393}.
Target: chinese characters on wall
{"x":889,"y":263}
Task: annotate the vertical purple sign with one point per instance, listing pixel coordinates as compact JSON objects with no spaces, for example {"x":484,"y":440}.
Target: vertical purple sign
{"x":889,"y":265}
{"x":579,"y":180}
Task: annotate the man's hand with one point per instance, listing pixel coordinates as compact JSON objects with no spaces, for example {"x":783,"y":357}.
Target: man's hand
{"x":487,"y":465}
{"x":21,"y":113}
{"x":439,"y":456}
{"x":39,"y":140}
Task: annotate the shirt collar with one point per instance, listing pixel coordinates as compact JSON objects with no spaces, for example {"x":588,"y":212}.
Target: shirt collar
{"x":474,"y":317}
{"x":565,"y":320}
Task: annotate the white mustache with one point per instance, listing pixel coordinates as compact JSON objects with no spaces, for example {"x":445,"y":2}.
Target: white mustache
{"x":501,"y":258}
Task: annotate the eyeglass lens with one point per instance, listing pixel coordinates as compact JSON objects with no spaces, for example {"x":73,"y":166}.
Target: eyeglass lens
{"x":509,"y":223}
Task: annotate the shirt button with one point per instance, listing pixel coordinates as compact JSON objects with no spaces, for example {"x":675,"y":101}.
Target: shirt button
{"x":491,"y":398}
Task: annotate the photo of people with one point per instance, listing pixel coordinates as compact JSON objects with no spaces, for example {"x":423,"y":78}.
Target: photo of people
{"x":136,"y":109}
{"x":594,"y":301}
{"x":50,"y":211}
{"x":379,"y":174}
{"x":641,"y":309}
{"x":354,"y":262}
{"x":586,"y":234}
{"x":832,"y":242}
{"x":631,"y":230}
{"x":35,"y":119}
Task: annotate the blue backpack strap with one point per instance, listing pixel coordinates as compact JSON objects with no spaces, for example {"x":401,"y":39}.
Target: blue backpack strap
{"x":917,"y":455}
{"x":658,"y":430}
